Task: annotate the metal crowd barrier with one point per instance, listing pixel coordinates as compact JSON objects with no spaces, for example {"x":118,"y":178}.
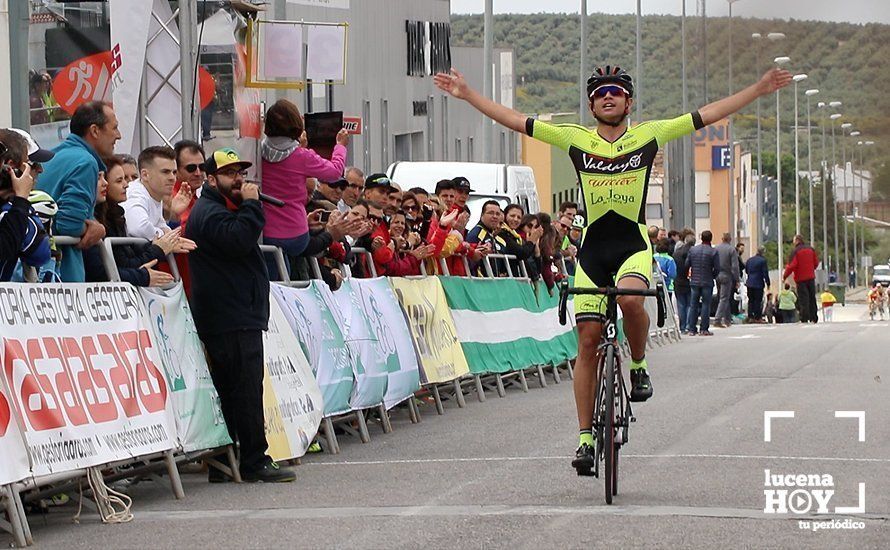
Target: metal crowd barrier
{"x":506,"y":259}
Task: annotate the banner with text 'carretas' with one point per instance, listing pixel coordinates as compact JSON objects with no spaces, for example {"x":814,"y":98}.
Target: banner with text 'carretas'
{"x":503,"y":325}
{"x":199,"y":419}
{"x":292,"y":402}
{"x":312,"y":314}
{"x":83,"y":375}
{"x":441,"y":356}
{"x":391,"y":338}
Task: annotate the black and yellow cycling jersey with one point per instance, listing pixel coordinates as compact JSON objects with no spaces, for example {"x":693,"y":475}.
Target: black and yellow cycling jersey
{"x":614,"y":179}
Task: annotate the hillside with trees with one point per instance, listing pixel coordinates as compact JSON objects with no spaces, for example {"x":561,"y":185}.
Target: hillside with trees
{"x":846,"y":62}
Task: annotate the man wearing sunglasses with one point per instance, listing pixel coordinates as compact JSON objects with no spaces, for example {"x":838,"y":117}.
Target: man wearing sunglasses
{"x":190,"y":172}
{"x":612,"y":163}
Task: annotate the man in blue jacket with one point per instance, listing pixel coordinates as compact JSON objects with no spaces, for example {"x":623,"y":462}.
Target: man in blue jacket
{"x":703,"y":265}
{"x":758,"y":279}
{"x":230,"y":305}
{"x":71,"y":178}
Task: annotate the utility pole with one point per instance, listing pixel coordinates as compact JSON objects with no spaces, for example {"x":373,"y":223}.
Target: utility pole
{"x":488,"y":91}
{"x":582,"y":105}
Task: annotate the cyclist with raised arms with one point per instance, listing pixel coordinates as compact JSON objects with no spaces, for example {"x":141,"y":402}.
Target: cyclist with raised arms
{"x":613,"y":163}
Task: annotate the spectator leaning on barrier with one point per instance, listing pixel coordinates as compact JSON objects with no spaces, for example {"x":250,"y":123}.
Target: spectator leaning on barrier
{"x":682,"y":291}
{"x":446,"y":193}
{"x":803,"y":263}
{"x":549,"y":250}
{"x":135,"y":263}
{"x":330,"y":191}
{"x":287,"y":163}
{"x":144,"y":207}
{"x":421,"y":194}
{"x":377,"y":190}
{"x":230,"y":305}
{"x":514,"y":243}
{"x":727,"y":280}
{"x":758,"y":280}
{"x":486,"y":238}
{"x":70,"y":178}
{"x":355,"y":179}
{"x":702,"y":265}
{"x":532,"y":231}
{"x":22,"y":235}
{"x":462,"y":190}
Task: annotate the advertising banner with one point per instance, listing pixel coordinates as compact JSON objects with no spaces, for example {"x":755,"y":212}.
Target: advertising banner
{"x":83,"y":374}
{"x":504,"y":326}
{"x":313,"y":317}
{"x":129,"y":39}
{"x":199,"y":419}
{"x":441,"y":356}
{"x":292,"y":402}
{"x":13,"y":456}
{"x":369,"y":365}
{"x":390,"y":333}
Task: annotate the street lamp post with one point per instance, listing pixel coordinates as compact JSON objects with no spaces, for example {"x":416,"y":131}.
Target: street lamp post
{"x":808,"y":94}
{"x":733,"y":230}
{"x":844,"y":127}
{"x":582,"y":106}
{"x":856,"y":211}
{"x":781,"y":244}
{"x":834,"y":117}
{"x":797,"y":78}
{"x":773,"y":37}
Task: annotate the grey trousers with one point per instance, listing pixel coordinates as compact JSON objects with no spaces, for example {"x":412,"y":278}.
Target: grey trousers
{"x":724,"y":292}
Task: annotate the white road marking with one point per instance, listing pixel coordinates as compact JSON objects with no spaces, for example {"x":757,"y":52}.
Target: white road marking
{"x":744,"y":337}
{"x":567,"y":457}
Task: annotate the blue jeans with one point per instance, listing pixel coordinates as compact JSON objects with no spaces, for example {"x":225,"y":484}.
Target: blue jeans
{"x":683,"y":299}
{"x":701,"y":305}
{"x":292,"y":248}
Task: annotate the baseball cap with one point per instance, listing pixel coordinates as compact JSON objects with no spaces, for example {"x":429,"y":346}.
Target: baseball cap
{"x":379,"y":180}
{"x":341,"y":183}
{"x":35,"y":153}
{"x":461,"y":184}
{"x":223,"y":158}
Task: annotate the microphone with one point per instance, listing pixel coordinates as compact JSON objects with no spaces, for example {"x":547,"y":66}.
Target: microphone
{"x":271,"y":200}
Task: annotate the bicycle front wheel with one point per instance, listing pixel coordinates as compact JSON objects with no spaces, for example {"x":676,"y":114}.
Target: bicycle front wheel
{"x":609,"y":449}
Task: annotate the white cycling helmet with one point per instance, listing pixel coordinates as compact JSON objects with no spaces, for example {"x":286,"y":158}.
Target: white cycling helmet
{"x":44,"y":205}
{"x":578,"y":222}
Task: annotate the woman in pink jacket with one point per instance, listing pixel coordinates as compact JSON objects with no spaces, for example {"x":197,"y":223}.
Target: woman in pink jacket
{"x":286,"y":164}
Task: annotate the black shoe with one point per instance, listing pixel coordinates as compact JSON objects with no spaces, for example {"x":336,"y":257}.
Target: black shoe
{"x":270,"y":472}
{"x":641,"y":386}
{"x":217,"y":476}
{"x":585,"y":460}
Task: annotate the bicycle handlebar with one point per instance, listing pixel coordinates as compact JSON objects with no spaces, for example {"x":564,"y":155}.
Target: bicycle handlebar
{"x":657,"y":292}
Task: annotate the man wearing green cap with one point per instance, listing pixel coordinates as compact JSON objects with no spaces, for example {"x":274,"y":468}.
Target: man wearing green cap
{"x":230,"y":305}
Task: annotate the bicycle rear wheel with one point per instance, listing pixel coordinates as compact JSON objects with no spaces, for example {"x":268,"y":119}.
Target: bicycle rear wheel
{"x":608,"y":424}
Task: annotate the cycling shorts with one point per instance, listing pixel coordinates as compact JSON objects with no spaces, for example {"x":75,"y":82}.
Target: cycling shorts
{"x":612,"y":248}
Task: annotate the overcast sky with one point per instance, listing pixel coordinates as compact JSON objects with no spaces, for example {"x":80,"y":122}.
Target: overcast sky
{"x":854,"y":11}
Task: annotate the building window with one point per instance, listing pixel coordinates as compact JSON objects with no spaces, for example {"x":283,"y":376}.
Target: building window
{"x":471,"y":153}
{"x":702,"y":210}
{"x":653,"y":211}
{"x":457,"y":150}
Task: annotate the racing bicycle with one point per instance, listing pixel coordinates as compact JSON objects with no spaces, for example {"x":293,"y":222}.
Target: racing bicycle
{"x":612,"y":413}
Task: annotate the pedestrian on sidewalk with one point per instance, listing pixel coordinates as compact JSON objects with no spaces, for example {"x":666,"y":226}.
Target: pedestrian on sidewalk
{"x":802,"y":264}
{"x":787,"y":304}
{"x":702,"y":267}
{"x":681,"y":284}
{"x":828,"y":300}
{"x":727,"y":280}
{"x":758,"y":279}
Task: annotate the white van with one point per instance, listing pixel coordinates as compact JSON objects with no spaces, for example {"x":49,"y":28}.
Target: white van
{"x":505,"y":183}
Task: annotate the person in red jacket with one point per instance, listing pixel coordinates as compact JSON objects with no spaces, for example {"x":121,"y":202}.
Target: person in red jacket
{"x":802,"y":264}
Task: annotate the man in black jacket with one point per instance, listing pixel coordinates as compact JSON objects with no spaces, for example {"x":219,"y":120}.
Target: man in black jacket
{"x":703,"y":265}
{"x":230,"y":304}
{"x":682,"y":290}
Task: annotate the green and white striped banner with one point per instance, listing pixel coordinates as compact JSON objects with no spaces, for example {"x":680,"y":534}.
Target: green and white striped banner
{"x":507,"y":324}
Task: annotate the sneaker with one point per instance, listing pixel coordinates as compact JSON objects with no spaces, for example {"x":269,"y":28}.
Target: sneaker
{"x":641,"y":385}
{"x":315,"y":448}
{"x":706,"y":333}
{"x":270,"y":472}
{"x":585,"y":460}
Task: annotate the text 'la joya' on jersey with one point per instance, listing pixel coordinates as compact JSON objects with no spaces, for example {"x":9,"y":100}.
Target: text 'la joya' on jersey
{"x":614,"y":179}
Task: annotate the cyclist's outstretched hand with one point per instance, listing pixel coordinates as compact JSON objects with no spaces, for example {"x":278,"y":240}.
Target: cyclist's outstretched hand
{"x":453,"y":83}
{"x":774,"y":79}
